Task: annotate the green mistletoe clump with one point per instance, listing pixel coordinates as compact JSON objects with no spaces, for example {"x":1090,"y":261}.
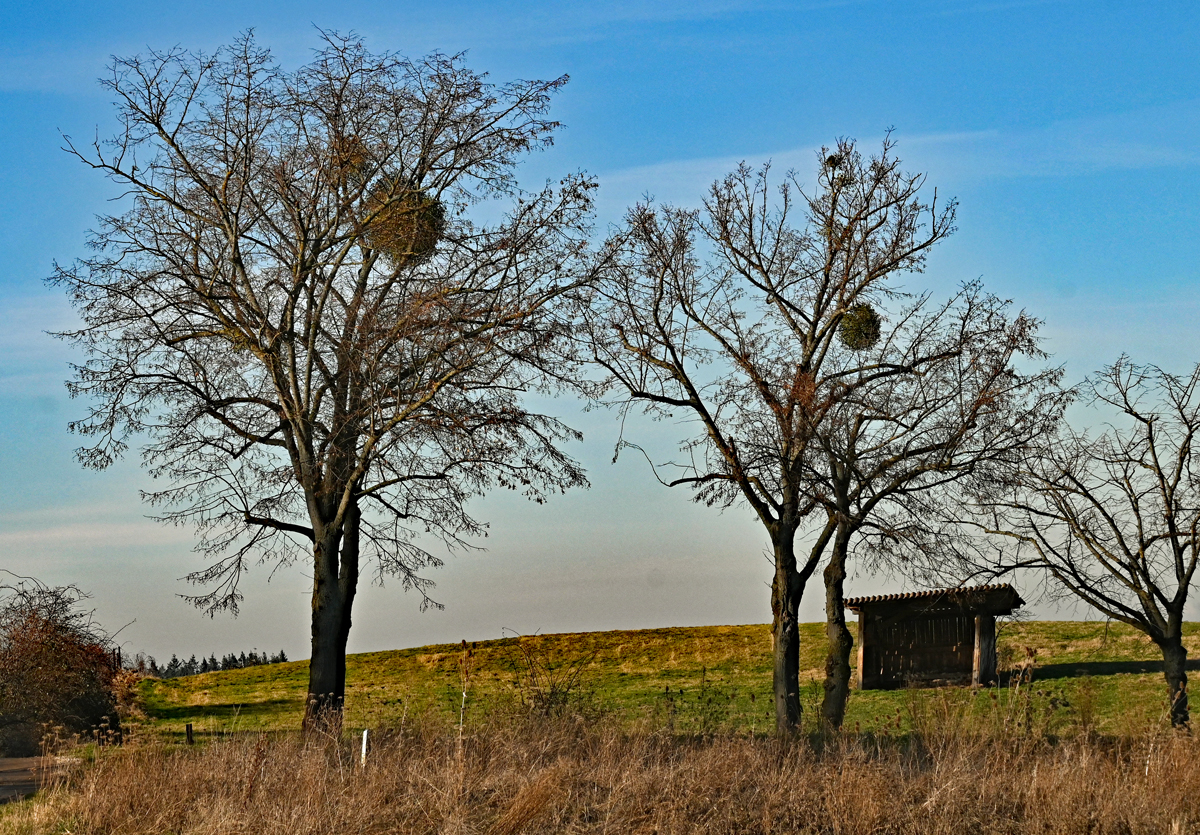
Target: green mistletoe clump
{"x":860,"y":327}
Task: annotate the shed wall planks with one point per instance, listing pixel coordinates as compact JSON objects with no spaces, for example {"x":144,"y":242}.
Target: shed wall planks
{"x":946,"y":636}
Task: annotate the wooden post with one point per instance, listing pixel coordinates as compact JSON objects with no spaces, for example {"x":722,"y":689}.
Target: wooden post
{"x":188,"y":728}
{"x":864,"y":679}
{"x":983,"y":670}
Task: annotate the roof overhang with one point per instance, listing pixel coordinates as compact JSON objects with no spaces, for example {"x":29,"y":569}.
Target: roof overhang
{"x":980,"y":600}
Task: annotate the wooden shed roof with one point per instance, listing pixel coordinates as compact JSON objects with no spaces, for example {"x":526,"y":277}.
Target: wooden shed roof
{"x":999,"y":599}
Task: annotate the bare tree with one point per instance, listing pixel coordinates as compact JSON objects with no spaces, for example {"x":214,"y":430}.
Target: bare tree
{"x":939,"y":405}
{"x":837,"y":423}
{"x":322,"y":353}
{"x":1115,"y":517}
{"x":739,"y":320}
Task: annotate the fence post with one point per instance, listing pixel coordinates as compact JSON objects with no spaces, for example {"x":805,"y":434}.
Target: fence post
{"x":190,"y":740}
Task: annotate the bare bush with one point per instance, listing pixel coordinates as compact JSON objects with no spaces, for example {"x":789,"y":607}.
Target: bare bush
{"x":57,"y":667}
{"x":550,"y":684}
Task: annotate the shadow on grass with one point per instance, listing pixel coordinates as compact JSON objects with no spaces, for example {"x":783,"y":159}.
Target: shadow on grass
{"x":1104,"y":668}
{"x":227,"y":712}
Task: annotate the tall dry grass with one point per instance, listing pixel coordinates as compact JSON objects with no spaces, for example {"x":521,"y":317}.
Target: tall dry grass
{"x":572,"y":776}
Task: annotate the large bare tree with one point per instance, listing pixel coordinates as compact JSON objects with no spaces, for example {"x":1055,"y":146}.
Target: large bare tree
{"x":321,"y":354}
{"x":730,"y":318}
{"x":763,"y":325}
{"x":1114,"y":515}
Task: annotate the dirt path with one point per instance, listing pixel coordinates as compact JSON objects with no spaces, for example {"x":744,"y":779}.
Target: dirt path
{"x":18,"y":777}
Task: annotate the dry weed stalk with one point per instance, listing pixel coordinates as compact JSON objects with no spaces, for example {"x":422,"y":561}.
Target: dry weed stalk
{"x":550,"y":683}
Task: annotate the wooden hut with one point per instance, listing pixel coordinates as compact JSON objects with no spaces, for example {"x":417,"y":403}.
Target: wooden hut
{"x":947,"y":636}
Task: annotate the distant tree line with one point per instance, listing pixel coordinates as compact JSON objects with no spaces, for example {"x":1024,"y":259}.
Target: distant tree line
{"x":176,"y":668}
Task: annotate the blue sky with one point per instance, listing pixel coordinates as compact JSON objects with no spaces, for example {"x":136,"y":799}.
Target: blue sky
{"x":1067,"y":130}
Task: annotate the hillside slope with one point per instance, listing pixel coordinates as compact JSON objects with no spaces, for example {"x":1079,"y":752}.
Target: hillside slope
{"x":695,"y":679}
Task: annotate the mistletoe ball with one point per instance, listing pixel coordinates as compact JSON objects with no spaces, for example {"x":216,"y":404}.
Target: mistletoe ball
{"x":860,"y":327}
{"x":405,"y":224}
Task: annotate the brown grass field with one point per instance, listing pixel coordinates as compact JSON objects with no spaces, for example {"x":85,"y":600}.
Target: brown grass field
{"x":661,"y":731}
{"x":572,"y":775}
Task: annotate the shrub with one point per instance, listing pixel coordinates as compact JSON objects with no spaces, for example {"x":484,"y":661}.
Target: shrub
{"x":56,"y":666}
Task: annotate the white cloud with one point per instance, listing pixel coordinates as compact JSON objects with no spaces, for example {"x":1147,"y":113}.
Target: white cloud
{"x":100,"y":525}
{"x":97,"y":534}
{"x":1152,"y":137}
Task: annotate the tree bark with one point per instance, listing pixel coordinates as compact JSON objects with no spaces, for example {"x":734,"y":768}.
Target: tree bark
{"x":786,"y":591}
{"x":335,"y":582}
{"x":1175,"y":671}
{"x":841,"y":642}
{"x":983,"y":667}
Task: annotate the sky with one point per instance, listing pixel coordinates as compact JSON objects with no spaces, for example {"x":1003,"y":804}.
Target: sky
{"x":1066,"y":130}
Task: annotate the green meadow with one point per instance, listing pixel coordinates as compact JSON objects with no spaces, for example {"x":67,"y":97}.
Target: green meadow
{"x":1080,"y":677}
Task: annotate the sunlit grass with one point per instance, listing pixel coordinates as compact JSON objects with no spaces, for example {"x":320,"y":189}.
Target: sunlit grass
{"x":1086,"y":675}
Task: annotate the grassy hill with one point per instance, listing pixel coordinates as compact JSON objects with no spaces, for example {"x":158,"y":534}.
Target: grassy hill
{"x":699,"y":679}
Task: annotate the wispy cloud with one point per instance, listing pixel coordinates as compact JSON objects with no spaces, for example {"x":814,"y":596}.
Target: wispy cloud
{"x":949,"y":8}
{"x":97,"y":524}
{"x":35,"y":363}
{"x":72,"y":535}
{"x":581,"y":22}
{"x":69,"y":63}
{"x":52,"y":68}
{"x":1153,"y":137}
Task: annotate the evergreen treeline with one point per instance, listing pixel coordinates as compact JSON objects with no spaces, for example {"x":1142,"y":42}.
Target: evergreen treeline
{"x":176,"y":668}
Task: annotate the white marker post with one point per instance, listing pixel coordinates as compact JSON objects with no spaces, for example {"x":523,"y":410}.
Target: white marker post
{"x":364,"y":748}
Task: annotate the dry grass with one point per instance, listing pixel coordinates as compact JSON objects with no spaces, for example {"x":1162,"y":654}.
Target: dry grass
{"x":572,"y":776}
{"x":668,"y":746}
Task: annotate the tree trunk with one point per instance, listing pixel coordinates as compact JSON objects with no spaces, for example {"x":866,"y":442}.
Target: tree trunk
{"x":1175,"y":671}
{"x":335,"y":581}
{"x":841,"y":643}
{"x":786,"y":591}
